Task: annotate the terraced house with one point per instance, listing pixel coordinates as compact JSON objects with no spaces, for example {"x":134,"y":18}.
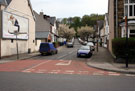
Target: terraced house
{"x":117,"y":10}
{"x":17,"y":21}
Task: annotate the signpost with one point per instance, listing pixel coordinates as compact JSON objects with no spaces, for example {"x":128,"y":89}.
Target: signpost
{"x":16,"y":33}
{"x":126,"y":25}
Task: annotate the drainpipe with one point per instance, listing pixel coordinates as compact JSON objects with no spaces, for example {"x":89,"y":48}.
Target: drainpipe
{"x":1,"y":30}
{"x":116,"y":32}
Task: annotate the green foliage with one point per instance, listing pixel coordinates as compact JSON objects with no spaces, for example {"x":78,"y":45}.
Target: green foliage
{"x":119,"y":48}
{"x":86,"y":20}
{"x":76,"y":23}
{"x":56,"y":44}
{"x":64,"y":21}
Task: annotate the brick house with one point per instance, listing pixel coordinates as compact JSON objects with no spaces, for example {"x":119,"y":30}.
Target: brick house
{"x":117,"y":10}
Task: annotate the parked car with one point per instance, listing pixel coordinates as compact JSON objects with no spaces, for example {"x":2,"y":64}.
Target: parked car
{"x":91,"y":44}
{"x":85,"y":43}
{"x":47,"y":48}
{"x":84,"y":51}
{"x":70,"y":44}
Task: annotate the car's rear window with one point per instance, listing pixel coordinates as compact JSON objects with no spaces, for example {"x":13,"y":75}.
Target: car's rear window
{"x":44,"y":45}
{"x":85,"y":48}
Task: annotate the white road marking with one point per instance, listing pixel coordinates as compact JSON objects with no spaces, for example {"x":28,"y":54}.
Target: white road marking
{"x":65,"y":55}
{"x":70,"y":52}
{"x":62,"y":56}
{"x":56,"y":70}
{"x":36,"y":66}
{"x":65,"y":63}
{"x":114,"y":74}
{"x":26,"y":71}
{"x":53,"y":72}
{"x":130,"y":75}
{"x":97,"y":73}
{"x":70,"y":71}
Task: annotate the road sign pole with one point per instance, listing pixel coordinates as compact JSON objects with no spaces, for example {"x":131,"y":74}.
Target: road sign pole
{"x":126,"y":25}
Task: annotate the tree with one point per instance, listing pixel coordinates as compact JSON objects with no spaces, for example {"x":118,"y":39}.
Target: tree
{"x":85,"y":32}
{"x":66,"y":32}
{"x":64,"y":21}
{"x":76,"y":23}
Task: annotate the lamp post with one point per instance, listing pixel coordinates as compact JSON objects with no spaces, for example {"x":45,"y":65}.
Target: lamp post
{"x":126,"y":25}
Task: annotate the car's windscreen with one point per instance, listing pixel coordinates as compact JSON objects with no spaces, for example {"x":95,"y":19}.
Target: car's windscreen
{"x":85,"y":48}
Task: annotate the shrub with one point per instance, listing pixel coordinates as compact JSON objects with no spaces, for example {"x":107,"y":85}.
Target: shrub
{"x":56,"y":44}
{"x":120,"y":50}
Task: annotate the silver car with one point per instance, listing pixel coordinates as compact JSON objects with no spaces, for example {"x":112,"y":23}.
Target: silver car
{"x":70,"y":44}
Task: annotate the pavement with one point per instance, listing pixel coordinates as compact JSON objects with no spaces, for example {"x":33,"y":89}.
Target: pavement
{"x":101,"y":60}
{"x":105,"y":61}
{"x":23,"y":56}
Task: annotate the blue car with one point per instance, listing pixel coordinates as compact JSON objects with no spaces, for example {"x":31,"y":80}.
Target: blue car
{"x":47,"y":48}
{"x":84,"y":51}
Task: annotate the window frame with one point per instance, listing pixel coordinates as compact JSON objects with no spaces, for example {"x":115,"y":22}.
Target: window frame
{"x":128,"y":5}
{"x":131,"y":33}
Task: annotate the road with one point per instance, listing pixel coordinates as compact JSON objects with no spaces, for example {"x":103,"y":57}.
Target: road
{"x":60,"y":72}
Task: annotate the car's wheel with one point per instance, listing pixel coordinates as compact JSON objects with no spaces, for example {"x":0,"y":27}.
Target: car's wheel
{"x":78,"y":55}
{"x":90,"y":54}
{"x":52,"y":53}
{"x":42,"y":54}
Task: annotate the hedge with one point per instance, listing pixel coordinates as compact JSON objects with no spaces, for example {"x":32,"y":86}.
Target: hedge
{"x":120,"y":50}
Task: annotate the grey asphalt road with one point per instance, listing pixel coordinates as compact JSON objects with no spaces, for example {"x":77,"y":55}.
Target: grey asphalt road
{"x":49,"y":82}
{"x":64,"y":54}
{"x":18,"y":81}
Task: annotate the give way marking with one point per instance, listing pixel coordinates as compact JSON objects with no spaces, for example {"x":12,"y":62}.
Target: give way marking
{"x":65,"y":63}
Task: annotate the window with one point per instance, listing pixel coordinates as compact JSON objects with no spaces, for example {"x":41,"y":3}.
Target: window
{"x":132,"y":33}
{"x":131,"y":1}
{"x":129,"y":8}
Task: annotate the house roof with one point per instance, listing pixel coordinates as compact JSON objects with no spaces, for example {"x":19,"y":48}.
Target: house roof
{"x":52,"y":20}
{"x":42,"y":24}
{"x":3,"y":2}
{"x":8,"y":1}
{"x":100,"y":24}
{"x":42,"y":35}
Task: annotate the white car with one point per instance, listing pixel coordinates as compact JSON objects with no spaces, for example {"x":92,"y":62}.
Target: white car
{"x":84,"y":51}
{"x":91,"y":45}
{"x":70,"y":44}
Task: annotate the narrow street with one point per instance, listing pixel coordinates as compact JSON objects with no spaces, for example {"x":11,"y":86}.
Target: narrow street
{"x":60,"y":72}
{"x":65,"y":62}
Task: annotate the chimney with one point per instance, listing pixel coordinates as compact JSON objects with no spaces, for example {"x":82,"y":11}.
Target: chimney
{"x":41,"y":14}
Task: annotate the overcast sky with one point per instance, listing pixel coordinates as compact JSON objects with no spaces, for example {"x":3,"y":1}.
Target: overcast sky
{"x":70,"y":8}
